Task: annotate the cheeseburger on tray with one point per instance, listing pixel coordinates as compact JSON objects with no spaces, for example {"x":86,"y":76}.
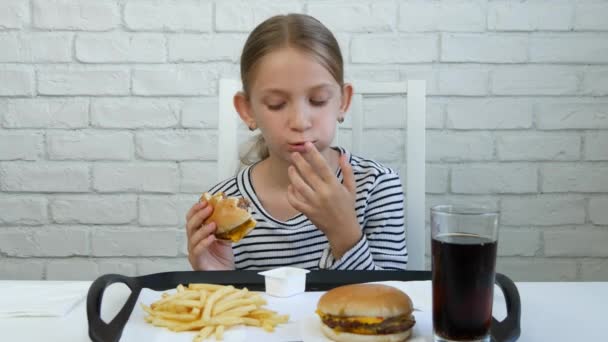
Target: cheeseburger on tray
{"x":231,"y":215}
{"x":366,"y":313}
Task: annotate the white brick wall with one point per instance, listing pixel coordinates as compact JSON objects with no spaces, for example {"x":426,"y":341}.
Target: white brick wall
{"x":109,"y":115}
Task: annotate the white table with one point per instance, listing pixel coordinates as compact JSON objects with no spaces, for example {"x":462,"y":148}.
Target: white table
{"x":550,"y":312}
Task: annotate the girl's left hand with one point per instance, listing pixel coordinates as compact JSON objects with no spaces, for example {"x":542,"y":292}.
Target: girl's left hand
{"x":317,"y":193}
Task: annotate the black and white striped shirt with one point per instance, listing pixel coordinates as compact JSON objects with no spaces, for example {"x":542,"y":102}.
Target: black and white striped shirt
{"x":298,"y":243}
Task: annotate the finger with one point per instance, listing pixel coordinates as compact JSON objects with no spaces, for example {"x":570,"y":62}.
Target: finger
{"x":295,"y":201}
{"x":197,"y":219}
{"x":299,"y":184}
{"x":196,"y":207}
{"x":201,"y":234}
{"x":347,"y":173}
{"x":199,"y":248}
{"x":318,"y":162}
{"x":307,"y":173}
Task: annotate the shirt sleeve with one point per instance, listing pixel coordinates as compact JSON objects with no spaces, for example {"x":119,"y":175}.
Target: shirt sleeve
{"x":382,"y":244}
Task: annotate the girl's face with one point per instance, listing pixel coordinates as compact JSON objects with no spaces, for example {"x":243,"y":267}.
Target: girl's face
{"x":293,"y":99}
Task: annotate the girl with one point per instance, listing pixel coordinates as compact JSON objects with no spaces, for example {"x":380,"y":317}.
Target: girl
{"x":317,"y":207}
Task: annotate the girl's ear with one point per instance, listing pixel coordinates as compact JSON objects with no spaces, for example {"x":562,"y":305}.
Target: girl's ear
{"x":347,"y":95}
{"x":243,"y":107}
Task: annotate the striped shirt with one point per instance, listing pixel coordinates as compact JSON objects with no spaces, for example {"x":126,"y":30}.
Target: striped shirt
{"x":298,"y":243}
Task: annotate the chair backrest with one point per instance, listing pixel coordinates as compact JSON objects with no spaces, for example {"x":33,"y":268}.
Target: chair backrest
{"x":415,"y":118}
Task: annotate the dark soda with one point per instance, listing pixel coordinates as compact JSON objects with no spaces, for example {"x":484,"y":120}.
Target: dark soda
{"x":463,"y":285}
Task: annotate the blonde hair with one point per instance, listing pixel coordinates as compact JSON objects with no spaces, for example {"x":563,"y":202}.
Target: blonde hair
{"x":298,"y":31}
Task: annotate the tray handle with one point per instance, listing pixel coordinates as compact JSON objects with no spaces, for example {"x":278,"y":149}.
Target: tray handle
{"x":100,"y":331}
{"x":509,"y":329}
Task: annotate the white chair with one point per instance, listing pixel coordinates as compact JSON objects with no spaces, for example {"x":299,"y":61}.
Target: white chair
{"x":415,"y":90}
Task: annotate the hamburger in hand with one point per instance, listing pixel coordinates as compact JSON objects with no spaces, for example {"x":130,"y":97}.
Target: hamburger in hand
{"x":231,"y":216}
{"x":366,"y":313}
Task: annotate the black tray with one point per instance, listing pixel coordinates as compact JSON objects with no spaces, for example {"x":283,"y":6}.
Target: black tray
{"x":507,"y":330}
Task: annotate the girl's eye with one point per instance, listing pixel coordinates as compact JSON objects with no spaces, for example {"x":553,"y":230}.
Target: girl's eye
{"x":318,"y":103}
{"x":276,"y":107}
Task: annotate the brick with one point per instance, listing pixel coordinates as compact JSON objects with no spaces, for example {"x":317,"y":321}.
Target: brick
{"x":435,"y":113}
{"x":383,"y":112}
{"x":576,"y":243}
{"x":591,"y":16}
{"x":595,"y":82}
{"x":113,"y":266}
{"x":21,"y":145}
{"x":572,"y":116}
{"x":518,"y":242}
{"x":16,"y":81}
{"x":574,"y":178}
{"x":538,"y":146}
{"x":537,"y":269}
{"x":21,"y":269}
{"x":243,"y":16}
{"x":598,"y":210}
{"x":47,"y":241}
{"x":134,"y":113}
{"x":441,"y":16}
{"x":14,"y":14}
{"x":596,"y":146}
{"x":23,"y":210}
{"x":177,"y":145}
{"x":383,"y":145}
{"x":45,"y":113}
{"x":463,"y":81}
{"x":543,"y":210}
{"x":135,"y":177}
{"x":84,"y":81}
{"x":165,"y":15}
{"x":156,"y":265}
{"x":534,"y":80}
{"x":376,"y":73}
{"x":124,"y":241}
{"x":489,"y":114}
{"x":44,"y":177}
{"x":388,"y":112}
{"x":594,"y":270}
{"x":197,"y":177}
{"x":200,"y":113}
{"x":176,"y":80}
{"x":377,"y":16}
{"x":530,"y":16}
{"x":72,"y":269}
{"x":569,"y":49}
{"x":448,"y":147}
{"x":421,"y":72}
{"x":436,"y":179}
{"x":197,"y":48}
{"x":165,"y":210}
{"x":89,"y":15}
{"x":35,"y":47}
{"x":120,"y":48}
{"x":383,"y":48}
{"x":494,"y":178}
{"x":89,"y":145}
{"x":100,"y":209}
{"x":485,"y":48}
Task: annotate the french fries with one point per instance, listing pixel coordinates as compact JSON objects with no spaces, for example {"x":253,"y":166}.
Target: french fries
{"x":210,"y":309}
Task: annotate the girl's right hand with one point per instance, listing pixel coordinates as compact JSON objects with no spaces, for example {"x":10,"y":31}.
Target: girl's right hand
{"x":205,"y":252}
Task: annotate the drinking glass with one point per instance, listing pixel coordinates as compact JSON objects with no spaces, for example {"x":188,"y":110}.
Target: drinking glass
{"x":464,"y":241}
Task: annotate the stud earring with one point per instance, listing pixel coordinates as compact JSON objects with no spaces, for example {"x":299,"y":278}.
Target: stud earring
{"x":252,"y":126}
{"x":340,"y":120}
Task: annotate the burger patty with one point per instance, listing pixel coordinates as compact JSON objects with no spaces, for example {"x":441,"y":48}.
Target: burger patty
{"x":243,"y":203}
{"x":388,"y":326}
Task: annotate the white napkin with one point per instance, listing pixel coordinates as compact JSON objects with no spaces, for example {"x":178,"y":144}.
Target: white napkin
{"x":40,"y":298}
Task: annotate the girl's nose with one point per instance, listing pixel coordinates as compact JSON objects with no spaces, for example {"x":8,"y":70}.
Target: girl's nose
{"x":299,"y":119}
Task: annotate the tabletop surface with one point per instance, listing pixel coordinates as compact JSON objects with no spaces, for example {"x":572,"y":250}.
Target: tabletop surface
{"x":555,"y":311}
